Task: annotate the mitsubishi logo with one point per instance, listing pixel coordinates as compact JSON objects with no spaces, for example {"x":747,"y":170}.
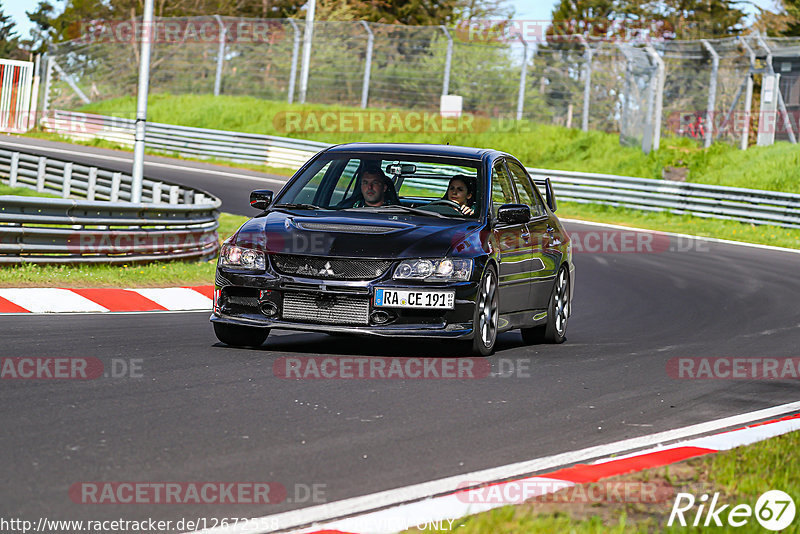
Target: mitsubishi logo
{"x":326,"y":270}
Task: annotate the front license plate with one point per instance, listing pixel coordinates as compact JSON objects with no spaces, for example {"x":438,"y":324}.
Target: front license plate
{"x":409,"y":298}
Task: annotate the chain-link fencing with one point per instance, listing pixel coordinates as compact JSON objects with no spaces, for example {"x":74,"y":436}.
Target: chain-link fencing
{"x":707,"y":89}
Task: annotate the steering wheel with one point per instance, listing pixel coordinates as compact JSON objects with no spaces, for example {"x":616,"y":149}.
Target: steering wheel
{"x":445,"y":202}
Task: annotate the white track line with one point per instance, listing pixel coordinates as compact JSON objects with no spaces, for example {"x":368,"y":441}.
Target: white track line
{"x":366,"y":503}
{"x":153,"y":163}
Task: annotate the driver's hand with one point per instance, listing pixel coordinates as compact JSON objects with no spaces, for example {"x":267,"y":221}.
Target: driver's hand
{"x":467,"y":210}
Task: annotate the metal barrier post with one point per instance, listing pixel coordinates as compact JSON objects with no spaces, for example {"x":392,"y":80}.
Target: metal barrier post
{"x":712,"y":93}
{"x":522,"y":75}
{"x":91,"y":186}
{"x":220,"y":55}
{"x":12,"y":174}
{"x":295,"y":52}
{"x":67,"y":185}
{"x":40,"y":170}
{"x":447,"y":61}
{"x":367,"y":65}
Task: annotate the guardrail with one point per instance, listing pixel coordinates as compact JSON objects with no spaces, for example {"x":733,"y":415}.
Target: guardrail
{"x":101,"y":226}
{"x":194,"y":142}
{"x":710,"y":201}
{"x":701,"y":200}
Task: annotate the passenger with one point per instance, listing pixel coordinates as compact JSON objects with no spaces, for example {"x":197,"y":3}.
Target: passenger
{"x":461,"y":190}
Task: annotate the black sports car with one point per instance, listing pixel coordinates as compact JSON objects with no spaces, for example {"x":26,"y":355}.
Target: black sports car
{"x":399,"y":240}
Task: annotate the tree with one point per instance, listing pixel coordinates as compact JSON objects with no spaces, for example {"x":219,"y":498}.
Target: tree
{"x":785,"y":22}
{"x":670,"y":19}
{"x":9,"y":41}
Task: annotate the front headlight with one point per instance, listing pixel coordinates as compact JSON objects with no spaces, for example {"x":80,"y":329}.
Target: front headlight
{"x":242,"y":258}
{"x":443,"y":270}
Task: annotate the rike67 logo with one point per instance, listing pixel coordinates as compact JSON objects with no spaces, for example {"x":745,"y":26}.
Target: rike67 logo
{"x":774,"y":510}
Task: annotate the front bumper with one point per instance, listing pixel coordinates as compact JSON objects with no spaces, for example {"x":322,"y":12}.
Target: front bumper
{"x":241,"y":299}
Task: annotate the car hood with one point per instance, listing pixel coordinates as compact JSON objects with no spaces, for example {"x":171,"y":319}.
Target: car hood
{"x":360,"y":235}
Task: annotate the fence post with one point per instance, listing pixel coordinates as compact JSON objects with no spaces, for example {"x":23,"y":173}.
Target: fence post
{"x":295,"y":52}
{"x":220,"y":55}
{"x":654,"y":103}
{"x":307,"y":42}
{"x":48,"y":76}
{"x":522,"y":75}
{"x":781,"y":103}
{"x":712,"y":93}
{"x":748,"y":99}
{"x":367,"y":65}
{"x":587,"y":84}
{"x":67,"y":185}
{"x":447,"y":62}
{"x":174,"y":192}
{"x":12,"y":174}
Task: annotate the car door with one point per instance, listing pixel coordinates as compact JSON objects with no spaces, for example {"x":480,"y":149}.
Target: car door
{"x":514,"y":244}
{"x":546,"y":256}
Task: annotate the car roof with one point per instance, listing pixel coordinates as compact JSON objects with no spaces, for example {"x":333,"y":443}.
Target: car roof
{"x":417,"y":149}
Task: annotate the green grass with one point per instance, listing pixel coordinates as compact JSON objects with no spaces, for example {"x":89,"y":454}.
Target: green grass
{"x":740,"y":475}
{"x":22,"y":192}
{"x":158,"y":274}
{"x":537,"y":145}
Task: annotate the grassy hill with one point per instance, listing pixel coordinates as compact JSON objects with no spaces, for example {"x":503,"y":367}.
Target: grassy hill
{"x":774,"y":168}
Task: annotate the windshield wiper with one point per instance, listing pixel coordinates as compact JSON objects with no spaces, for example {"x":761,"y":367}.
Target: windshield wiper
{"x":395,"y":207}
{"x":299,"y":206}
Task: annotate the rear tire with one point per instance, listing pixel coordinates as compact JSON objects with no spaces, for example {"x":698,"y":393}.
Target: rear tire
{"x":558,"y":310}
{"x":240,"y":336}
{"x":485,"y":317}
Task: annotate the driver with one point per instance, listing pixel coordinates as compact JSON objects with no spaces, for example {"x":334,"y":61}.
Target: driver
{"x":373,"y":187}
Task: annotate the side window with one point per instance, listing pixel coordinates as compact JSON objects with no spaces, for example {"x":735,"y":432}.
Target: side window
{"x":309,"y":191}
{"x":345,"y":185}
{"x":525,"y":189}
{"x":502,"y":190}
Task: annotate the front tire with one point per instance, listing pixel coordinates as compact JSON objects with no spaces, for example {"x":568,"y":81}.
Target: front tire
{"x":558,"y":310}
{"x":485,"y":318}
{"x":240,"y":336}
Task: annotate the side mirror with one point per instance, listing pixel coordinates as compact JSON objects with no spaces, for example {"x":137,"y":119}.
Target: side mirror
{"x":260,"y":199}
{"x":514,"y":213}
{"x":551,"y":197}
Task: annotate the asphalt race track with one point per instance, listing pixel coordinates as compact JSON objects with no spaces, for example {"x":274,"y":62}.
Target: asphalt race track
{"x":200,"y":411}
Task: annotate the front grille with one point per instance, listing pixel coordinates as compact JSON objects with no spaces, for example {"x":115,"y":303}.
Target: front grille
{"x":325,"y":308}
{"x":330,"y":268}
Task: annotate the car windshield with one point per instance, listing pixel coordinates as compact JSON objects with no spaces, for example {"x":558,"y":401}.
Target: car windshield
{"x":428,"y":186}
